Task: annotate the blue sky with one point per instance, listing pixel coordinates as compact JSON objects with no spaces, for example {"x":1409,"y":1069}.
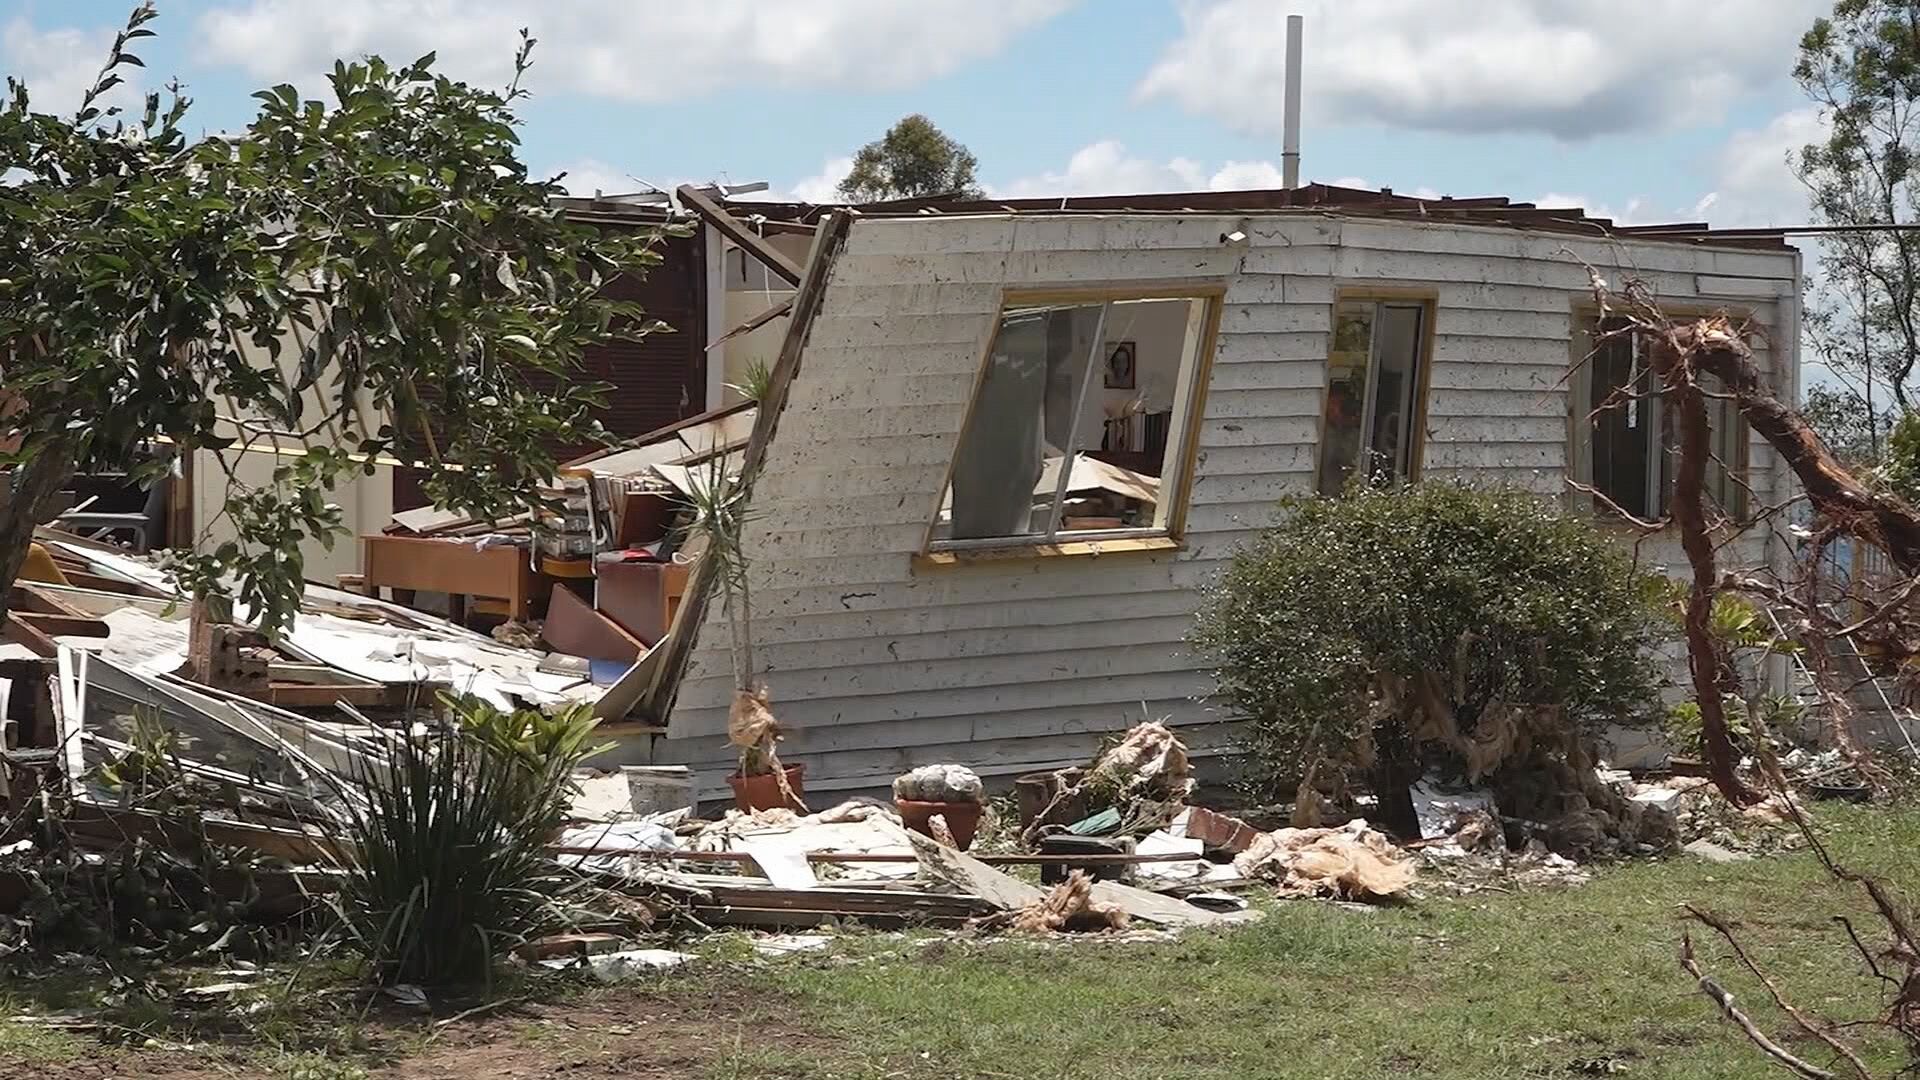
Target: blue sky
{"x":1640,"y":108}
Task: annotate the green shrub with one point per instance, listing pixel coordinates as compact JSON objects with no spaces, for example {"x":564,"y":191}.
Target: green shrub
{"x":447,"y":866}
{"x":1488,"y":595}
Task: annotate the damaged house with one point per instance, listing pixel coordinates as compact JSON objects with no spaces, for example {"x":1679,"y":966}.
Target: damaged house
{"x":1006,"y":443}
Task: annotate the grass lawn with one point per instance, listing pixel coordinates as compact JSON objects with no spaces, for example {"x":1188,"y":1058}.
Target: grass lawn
{"x":1545,"y":983}
{"x":1563,"y":983}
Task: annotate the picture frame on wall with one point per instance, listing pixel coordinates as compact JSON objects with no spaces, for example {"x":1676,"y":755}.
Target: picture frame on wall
{"x":1120,"y":371}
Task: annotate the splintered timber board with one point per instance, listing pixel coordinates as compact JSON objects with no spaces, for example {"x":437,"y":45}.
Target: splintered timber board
{"x":754,"y":906}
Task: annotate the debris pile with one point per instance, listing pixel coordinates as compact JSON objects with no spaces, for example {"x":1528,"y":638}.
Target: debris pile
{"x":1070,"y":906}
{"x":1352,"y":862}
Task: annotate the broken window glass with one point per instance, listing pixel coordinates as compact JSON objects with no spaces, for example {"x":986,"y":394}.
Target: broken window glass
{"x":1078,"y":422}
{"x":1373,"y":391}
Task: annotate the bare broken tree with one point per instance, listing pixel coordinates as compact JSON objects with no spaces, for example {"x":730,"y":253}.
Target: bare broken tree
{"x":1895,"y":967}
{"x":1843,"y":506}
{"x":1681,"y":353}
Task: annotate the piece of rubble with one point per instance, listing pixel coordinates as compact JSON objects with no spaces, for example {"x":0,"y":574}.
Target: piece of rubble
{"x":1440,"y":811}
{"x":1070,"y":906}
{"x":625,"y":964}
{"x":1353,"y":862}
{"x":214,"y":990}
{"x":1714,"y":853}
{"x":1149,"y":761}
{"x":1218,"y":830}
{"x":956,"y":871}
{"x":570,"y":945}
{"x":791,"y":944}
{"x":1660,"y":798}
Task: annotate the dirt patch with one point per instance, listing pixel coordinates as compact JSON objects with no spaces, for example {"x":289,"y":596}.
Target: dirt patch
{"x":638,"y":1034}
{"x":125,"y":1064}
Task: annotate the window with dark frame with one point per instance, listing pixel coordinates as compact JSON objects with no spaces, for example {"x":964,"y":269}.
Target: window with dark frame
{"x":1080,"y":422}
{"x":1375,"y":368}
{"x":1629,"y":441}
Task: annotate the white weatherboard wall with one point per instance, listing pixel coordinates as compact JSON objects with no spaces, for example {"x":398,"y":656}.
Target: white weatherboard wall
{"x":877,"y":665}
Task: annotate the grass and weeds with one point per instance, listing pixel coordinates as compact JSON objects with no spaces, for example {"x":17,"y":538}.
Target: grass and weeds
{"x":1532,"y":984}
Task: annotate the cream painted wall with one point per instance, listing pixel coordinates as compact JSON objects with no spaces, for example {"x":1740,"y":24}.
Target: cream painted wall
{"x":878,"y":661}
{"x":366,"y":503}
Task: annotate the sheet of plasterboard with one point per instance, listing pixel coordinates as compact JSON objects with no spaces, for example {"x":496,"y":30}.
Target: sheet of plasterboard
{"x":392,"y":654}
{"x":124,"y":567}
{"x":691,"y":443}
{"x":690,"y":480}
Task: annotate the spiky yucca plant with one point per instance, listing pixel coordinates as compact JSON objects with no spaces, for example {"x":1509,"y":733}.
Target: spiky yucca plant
{"x":447,"y":866}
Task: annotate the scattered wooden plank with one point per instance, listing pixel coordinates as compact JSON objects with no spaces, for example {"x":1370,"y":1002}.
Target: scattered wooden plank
{"x":738,"y":231}
{"x":23,"y":633}
{"x":112,"y":826}
{"x":64,"y":625}
{"x":296,"y":695}
{"x":837,"y":858}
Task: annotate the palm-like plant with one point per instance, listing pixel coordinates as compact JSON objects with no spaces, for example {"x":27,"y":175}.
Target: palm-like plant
{"x":720,"y":515}
{"x":446,"y":865}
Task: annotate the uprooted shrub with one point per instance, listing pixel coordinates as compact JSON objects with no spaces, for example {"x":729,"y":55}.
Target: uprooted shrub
{"x":446,"y":865}
{"x":1395,"y":629}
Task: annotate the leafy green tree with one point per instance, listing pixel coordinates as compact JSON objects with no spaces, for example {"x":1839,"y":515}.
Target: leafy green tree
{"x":1855,"y":433}
{"x":373,"y":275}
{"x":1861,"y":66}
{"x":1386,"y":625}
{"x":913,"y":160}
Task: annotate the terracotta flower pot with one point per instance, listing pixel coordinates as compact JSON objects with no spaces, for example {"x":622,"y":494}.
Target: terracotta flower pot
{"x":963,"y":818}
{"x":761,"y":791}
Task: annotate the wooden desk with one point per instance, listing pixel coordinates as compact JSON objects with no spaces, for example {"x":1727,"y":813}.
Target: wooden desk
{"x":409,"y":564}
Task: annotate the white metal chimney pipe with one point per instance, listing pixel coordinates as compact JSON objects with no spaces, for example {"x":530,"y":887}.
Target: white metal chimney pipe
{"x":1290,"y":156}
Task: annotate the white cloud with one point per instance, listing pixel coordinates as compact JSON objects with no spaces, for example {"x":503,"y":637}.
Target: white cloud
{"x":1364,"y":184}
{"x":1753,"y":184}
{"x":1634,"y":211}
{"x":1105,"y":168}
{"x":631,"y":50}
{"x":1247,"y":176}
{"x":1570,"y":70}
{"x":821,"y":187}
{"x":588,"y":175}
{"x":59,"y":65}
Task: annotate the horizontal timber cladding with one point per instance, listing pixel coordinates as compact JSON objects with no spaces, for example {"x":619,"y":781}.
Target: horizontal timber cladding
{"x":879,"y":662}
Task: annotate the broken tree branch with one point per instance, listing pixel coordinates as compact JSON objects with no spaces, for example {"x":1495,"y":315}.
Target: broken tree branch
{"x":1879,"y":518}
{"x":1818,"y":1031}
{"x":1723,"y":1000}
{"x":1708,"y":658}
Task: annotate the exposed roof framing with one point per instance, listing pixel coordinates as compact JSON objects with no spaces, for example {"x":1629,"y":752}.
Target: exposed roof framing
{"x":1322,"y":198}
{"x":740,"y":233}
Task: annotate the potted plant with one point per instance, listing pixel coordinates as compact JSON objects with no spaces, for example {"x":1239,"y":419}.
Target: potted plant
{"x":953,"y":793}
{"x":719,"y":502}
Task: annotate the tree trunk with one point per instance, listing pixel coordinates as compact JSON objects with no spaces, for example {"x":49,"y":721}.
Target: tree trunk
{"x":1878,"y":518}
{"x":22,"y":505}
{"x":1708,"y":658}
